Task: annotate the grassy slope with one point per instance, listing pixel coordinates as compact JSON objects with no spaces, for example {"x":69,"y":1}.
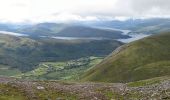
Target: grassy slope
{"x":142,"y":59}
{"x":11,"y":93}
{"x":14,"y":92}
{"x":16,"y":51}
{"x":148,"y":82}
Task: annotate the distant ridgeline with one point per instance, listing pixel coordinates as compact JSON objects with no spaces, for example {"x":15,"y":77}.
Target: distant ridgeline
{"x":69,"y":30}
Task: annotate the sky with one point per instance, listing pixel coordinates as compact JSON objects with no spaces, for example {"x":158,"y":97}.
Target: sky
{"x":80,"y":10}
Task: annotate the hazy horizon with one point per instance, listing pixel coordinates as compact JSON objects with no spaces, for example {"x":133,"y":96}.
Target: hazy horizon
{"x":18,"y":11}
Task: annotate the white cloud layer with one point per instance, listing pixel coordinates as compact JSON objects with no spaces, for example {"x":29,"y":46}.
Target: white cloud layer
{"x":82,"y":10}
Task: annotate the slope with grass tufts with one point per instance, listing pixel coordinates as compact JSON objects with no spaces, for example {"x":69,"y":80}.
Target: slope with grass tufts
{"x":142,"y":59}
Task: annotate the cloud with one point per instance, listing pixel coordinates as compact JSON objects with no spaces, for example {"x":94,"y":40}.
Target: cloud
{"x":63,"y":17}
{"x":151,"y":8}
{"x":81,"y":10}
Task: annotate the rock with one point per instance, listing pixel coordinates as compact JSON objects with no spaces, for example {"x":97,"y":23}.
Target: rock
{"x":60,"y":98}
{"x":40,"y":88}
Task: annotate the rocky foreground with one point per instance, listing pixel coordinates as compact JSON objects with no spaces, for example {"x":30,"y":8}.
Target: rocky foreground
{"x":15,"y":89}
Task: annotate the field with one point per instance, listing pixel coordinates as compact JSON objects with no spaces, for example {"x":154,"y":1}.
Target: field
{"x":66,"y":70}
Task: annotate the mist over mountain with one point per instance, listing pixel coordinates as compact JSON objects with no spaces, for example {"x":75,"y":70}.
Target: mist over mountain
{"x":147,"y":26}
{"x":93,"y":28}
{"x":69,"y":30}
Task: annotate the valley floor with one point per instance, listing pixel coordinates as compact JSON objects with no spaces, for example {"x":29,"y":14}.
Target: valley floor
{"x":63,"y":70}
{"x":14,"y":89}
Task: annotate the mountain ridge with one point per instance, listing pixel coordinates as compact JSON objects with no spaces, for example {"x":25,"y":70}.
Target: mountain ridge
{"x":142,"y":59}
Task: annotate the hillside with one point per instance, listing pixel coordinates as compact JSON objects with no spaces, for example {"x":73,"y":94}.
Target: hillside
{"x":69,"y":30}
{"x":82,"y":31}
{"x":59,"y":70}
{"x":142,"y":59}
{"x":25,"y":53}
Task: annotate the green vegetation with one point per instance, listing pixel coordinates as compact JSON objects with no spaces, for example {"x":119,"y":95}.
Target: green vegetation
{"x":147,"y":82}
{"x":117,"y":95}
{"x":14,"y":92}
{"x":68,"y":70}
{"x":53,"y":94}
{"x":18,"y":89}
{"x":11,"y":93}
{"x":25,"y":54}
{"x":7,"y":71}
{"x":143,"y":59}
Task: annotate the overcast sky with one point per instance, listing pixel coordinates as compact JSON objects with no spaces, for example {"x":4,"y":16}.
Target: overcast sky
{"x":81,"y":10}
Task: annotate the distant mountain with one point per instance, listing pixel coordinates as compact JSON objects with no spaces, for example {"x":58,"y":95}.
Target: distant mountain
{"x":7,"y":27}
{"x":147,"y":26}
{"x":42,"y":29}
{"x":150,"y":26}
{"x":24,"y":53}
{"x":81,"y":31}
{"x":12,"y":27}
{"x":142,"y":59}
{"x":70,"y":30}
